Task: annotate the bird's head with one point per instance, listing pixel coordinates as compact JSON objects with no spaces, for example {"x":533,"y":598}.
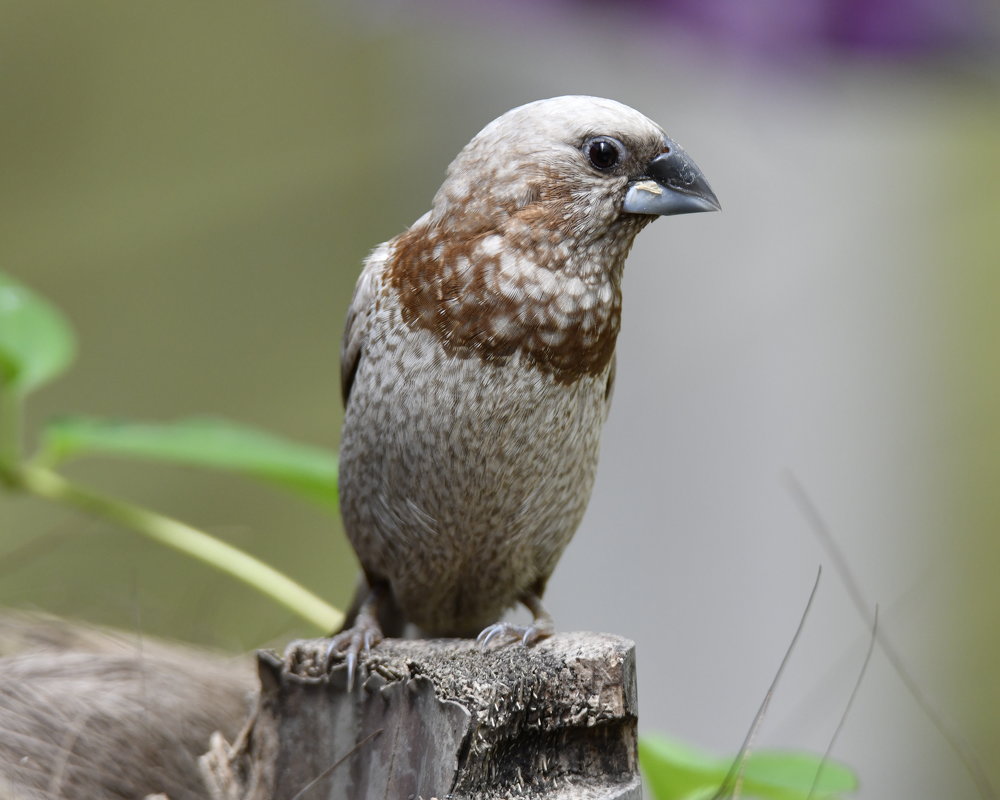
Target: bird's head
{"x":582,"y":168}
{"x":523,"y":249}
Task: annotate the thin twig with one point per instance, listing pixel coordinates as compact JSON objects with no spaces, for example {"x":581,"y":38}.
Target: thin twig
{"x":847,"y":708}
{"x":956,"y":741}
{"x":739,"y":763}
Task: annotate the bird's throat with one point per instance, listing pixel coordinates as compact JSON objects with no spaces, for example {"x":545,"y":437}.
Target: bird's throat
{"x":488,"y":297}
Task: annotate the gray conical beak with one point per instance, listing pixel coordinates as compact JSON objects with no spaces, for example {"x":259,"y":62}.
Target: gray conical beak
{"x":670,"y":184}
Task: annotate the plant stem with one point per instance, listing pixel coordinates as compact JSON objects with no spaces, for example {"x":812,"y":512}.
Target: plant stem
{"x":10,"y":426}
{"x":214,"y":552}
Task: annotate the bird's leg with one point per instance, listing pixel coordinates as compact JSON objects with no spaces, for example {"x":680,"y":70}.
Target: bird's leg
{"x":540,"y":628}
{"x":360,"y":638}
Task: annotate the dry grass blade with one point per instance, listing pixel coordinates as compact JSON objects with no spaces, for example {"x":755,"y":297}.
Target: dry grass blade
{"x":958,"y":743}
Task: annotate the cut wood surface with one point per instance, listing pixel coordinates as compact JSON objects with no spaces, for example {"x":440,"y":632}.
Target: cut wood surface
{"x":440,"y":718}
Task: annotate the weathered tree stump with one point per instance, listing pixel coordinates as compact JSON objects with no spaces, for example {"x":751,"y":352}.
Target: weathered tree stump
{"x":440,"y":718}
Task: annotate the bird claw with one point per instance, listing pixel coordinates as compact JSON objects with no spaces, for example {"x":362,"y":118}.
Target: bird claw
{"x":508,"y":633}
{"x":349,"y":645}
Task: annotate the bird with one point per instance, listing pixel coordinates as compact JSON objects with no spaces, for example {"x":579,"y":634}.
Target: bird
{"x":478,"y":364}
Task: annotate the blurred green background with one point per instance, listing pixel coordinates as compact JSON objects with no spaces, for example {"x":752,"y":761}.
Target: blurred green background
{"x":195,"y":188}
{"x":196,"y":185}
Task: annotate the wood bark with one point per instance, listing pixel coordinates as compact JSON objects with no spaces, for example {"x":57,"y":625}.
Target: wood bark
{"x":439,"y":718}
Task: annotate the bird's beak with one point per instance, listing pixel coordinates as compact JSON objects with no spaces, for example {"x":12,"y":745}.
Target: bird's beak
{"x":670,"y":184}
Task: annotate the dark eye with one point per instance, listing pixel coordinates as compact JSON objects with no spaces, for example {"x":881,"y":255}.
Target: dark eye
{"x":603,"y":152}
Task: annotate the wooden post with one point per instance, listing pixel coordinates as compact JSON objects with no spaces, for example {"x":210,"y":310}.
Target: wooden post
{"x":440,"y":718}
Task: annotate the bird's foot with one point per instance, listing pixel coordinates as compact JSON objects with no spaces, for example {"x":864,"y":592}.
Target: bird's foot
{"x":507,"y":633}
{"x":351,"y":644}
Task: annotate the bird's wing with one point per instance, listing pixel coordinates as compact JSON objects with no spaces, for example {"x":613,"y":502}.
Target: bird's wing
{"x":609,"y":387}
{"x":358,"y":313}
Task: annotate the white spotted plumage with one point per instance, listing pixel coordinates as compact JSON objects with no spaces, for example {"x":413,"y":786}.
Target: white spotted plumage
{"x":478,"y":364}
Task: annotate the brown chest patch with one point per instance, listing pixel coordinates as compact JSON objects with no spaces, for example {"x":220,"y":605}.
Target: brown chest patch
{"x":492,"y":295}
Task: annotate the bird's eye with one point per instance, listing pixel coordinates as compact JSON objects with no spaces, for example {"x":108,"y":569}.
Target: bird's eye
{"x":603,"y":152}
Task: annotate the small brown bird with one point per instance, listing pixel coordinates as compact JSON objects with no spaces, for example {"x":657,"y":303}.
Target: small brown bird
{"x":478,"y":365}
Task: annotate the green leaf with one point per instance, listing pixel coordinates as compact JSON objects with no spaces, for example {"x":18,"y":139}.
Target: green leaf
{"x":676,"y":771}
{"x":796,"y":771}
{"x":36,"y":342}
{"x":204,"y":442}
